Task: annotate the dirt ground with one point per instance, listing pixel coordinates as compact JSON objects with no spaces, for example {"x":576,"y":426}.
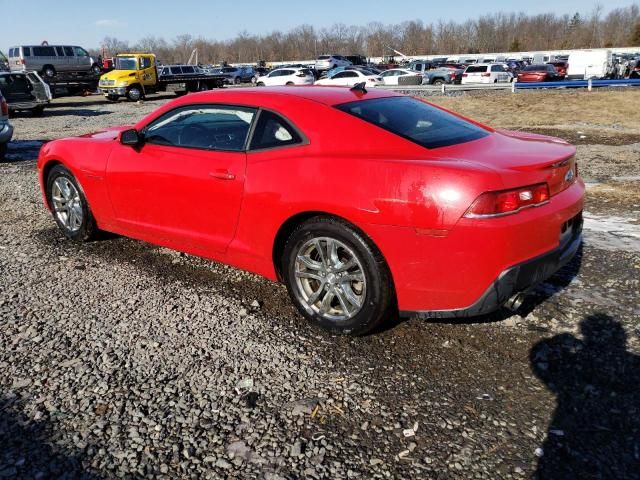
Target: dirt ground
{"x":119,"y":359}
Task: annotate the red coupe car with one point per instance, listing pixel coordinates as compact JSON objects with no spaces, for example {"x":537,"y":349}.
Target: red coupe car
{"x":364,"y":203}
{"x":539,"y":73}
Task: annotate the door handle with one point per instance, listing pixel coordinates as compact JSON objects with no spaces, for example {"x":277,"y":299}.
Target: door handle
{"x":222,"y":175}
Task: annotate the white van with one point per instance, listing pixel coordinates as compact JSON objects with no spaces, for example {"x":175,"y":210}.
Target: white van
{"x":586,"y":64}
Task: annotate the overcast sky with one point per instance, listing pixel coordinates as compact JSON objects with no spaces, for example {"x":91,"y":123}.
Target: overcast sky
{"x":87,"y":23}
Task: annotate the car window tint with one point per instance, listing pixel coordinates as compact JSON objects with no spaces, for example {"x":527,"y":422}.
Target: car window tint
{"x":476,"y":69}
{"x":44,"y":52}
{"x":60,"y":51}
{"x":176,"y":71}
{"x":497,"y":68}
{"x":145,"y":62}
{"x":273,"y":131}
{"x":68,"y":51}
{"x":346,"y":74}
{"x":80,"y":52}
{"x":203,"y":127}
{"x":415,"y":120}
{"x":187,"y":69}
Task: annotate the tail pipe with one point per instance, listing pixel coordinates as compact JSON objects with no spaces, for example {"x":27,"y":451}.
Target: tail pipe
{"x":515,"y":301}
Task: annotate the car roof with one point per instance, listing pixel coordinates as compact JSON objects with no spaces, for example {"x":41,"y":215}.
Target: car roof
{"x":327,"y":95}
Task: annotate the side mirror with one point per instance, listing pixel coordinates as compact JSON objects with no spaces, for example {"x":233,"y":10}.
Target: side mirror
{"x":130,"y":137}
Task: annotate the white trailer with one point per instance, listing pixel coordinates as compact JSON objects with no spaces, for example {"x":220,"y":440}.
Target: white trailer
{"x":586,"y":64}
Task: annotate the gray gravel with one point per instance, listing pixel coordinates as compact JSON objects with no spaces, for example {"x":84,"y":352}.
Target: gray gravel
{"x":119,"y":359}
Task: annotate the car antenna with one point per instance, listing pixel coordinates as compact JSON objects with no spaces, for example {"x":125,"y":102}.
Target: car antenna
{"x":359,"y":87}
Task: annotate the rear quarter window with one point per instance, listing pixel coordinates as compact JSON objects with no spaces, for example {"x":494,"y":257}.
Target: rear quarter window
{"x":415,"y":121}
{"x":476,"y":69}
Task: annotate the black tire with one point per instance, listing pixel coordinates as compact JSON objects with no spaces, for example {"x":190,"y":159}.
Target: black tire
{"x":134,"y":93}
{"x":203,"y":87}
{"x":87,"y":229}
{"x":3,"y":151}
{"x":260,"y":84}
{"x":95,"y":69}
{"x":438,"y":81}
{"x":378,"y":301}
{"x":38,"y":111}
{"x":288,"y":84}
{"x":237,"y":81}
{"x":48,"y":71}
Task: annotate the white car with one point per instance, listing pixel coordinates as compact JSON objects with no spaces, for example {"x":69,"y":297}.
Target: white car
{"x":486,"y":73}
{"x":390,"y":77}
{"x":349,"y":78}
{"x":327,"y":62}
{"x":286,"y":76}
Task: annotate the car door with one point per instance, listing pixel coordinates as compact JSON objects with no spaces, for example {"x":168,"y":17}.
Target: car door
{"x":184,"y":183}
{"x":347,"y":78}
{"x":41,"y":90}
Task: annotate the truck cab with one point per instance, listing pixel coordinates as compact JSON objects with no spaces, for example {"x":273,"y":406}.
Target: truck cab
{"x":134,"y":75}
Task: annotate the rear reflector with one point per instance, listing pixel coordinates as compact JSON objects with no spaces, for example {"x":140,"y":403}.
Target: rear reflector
{"x":506,"y":202}
{"x":4,"y":107}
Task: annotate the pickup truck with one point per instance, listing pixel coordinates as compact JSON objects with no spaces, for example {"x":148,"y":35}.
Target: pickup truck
{"x":136,"y":75}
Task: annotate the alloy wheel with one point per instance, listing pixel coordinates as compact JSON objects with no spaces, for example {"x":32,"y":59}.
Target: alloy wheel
{"x":67,"y":204}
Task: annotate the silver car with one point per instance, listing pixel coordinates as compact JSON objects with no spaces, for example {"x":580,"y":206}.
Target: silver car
{"x":6,"y":130}
{"x":25,"y":91}
{"x":51,"y":59}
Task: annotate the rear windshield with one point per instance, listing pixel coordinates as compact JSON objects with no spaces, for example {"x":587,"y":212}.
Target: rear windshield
{"x":536,"y":68}
{"x":476,"y":69}
{"x":415,"y":120}
{"x":324,"y":57}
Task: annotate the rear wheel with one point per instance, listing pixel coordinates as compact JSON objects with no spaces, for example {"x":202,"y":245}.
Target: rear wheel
{"x":69,"y":206}
{"x":289,"y":83}
{"x":237,"y":81}
{"x":260,"y":84}
{"x":48,"y":71}
{"x":336,"y":277}
{"x":95,"y":69}
{"x":438,"y":81}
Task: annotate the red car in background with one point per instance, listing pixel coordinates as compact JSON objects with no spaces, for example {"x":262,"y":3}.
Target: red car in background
{"x":561,"y":68}
{"x":364,"y":203}
{"x":539,"y":73}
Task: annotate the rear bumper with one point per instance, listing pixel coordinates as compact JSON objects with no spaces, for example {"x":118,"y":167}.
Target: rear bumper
{"x":517,"y":279}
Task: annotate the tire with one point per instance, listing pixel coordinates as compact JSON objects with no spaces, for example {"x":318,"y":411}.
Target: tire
{"x":260,"y":84}
{"x":355,"y":305}
{"x":95,"y":69}
{"x":288,"y":84}
{"x":237,"y":81}
{"x":3,"y":151}
{"x":38,"y":111}
{"x":62,"y":191}
{"x":438,"y":82}
{"x":48,"y":71}
{"x":134,"y":93}
{"x":203,"y":87}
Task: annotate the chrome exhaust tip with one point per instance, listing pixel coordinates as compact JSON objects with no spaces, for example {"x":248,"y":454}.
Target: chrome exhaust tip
{"x":515,"y":302}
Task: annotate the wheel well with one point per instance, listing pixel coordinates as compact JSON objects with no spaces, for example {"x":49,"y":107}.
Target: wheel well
{"x":45,"y":175}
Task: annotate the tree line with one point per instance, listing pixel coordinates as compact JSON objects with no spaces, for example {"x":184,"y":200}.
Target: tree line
{"x":499,"y":32}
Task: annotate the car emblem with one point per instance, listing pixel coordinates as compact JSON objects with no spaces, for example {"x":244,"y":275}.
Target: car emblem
{"x":568,"y":177}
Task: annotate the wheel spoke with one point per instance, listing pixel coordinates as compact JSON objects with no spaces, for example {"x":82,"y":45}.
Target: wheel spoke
{"x":352,"y":262}
{"x":325,"y":306}
{"x":351,"y":297}
{"x":309,"y":275}
{"x":318,"y":245}
{"x":343,"y":302}
{"x":312,"y":264}
{"x":313,"y":298}
{"x":332,"y":247}
{"x":353,"y":277}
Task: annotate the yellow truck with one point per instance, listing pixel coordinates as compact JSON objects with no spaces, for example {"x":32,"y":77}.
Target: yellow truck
{"x":136,"y":75}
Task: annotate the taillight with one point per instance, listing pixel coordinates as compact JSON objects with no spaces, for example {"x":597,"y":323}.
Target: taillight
{"x":464,"y":75}
{"x":506,"y":202}
{"x":486,"y":74}
{"x":4,"y":107}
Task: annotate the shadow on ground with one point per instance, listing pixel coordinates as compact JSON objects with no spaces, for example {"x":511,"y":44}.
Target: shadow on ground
{"x":595,"y":429}
{"x":27,"y":450}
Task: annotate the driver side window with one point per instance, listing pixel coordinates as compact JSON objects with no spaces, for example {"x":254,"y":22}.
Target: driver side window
{"x":205,"y":127}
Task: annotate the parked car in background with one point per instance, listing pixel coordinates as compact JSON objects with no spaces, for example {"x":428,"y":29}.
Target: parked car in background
{"x":286,"y":76}
{"x":366,"y":205}
{"x":327,"y":62}
{"x":6,"y":129}
{"x":486,"y":73}
{"x":539,"y":73}
{"x":360,"y":60}
{"x":392,"y":77}
{"x":442,"y":75}
{"x":349,"y":78}
{"x":561,"y":67}
{"x":238,"y":75}
{"x":421,"y":66}
{"x":176,"y":71}
{"x":49,"y":60}
{"x":25,"y":92}
{"x":259,"y":72}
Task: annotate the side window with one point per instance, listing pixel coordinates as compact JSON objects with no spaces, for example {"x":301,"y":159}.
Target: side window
{"x":273,"y":131}
{"x":60,"y":51}
{"x":347,"y":74}
{"x":68,"y":51}
{"x":44,"y":52}
{"x":145,"y":62}
{"x":275,"y":73}
{"x":80,"y":52}
{"x":202,"y":126}
{"x":165,"y":71}
{"x":26,"y":51}
{"x":187,"y":69}
{"x":176,"y":71}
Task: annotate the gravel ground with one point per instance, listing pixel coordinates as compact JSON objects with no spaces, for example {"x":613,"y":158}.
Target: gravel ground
{"x":119,"y":359}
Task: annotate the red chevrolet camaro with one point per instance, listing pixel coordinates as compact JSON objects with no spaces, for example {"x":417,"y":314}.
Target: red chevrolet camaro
{"x":364,"y":203}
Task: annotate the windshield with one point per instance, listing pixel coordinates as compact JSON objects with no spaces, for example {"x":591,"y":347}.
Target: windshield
{"x":126,"y":63}
{"x":415,"y":120}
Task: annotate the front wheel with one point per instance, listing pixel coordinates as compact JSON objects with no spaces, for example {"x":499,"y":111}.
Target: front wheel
{"x":134,"y":93}
{"x":95,"y":69}
{"x":337,"y":278}
{"x":69,"y":206}
{"x":438,"y":82}
{"x":38,"y":111}
{"x":48,"y":71}
{"x":260,"y":84}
